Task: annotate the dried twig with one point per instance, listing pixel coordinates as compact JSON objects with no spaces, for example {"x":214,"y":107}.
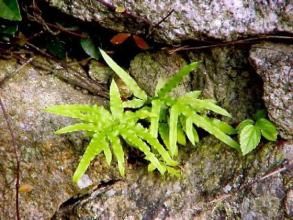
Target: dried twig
{"x":235,"y":42}
{"x":17,"y":159}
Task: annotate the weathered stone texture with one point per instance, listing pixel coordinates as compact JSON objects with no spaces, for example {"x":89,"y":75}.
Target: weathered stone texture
{"x":274,"y":63}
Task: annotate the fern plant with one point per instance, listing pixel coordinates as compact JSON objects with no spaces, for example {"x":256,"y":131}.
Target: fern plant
{"x":174,"y":119}
{"x":107,"y":127}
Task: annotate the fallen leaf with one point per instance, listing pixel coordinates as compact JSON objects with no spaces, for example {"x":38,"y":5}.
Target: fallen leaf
{"x":120,"y":38}
{"x":140,"y":42}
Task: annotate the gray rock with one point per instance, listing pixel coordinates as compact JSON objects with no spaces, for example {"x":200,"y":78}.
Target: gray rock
{"x":47,"y":160}
{"x":226,"y":76}
{"x":199,"y":194}
{"x":273,"y":62}
{"x":225,"y":20}
{"x":148,"y":68}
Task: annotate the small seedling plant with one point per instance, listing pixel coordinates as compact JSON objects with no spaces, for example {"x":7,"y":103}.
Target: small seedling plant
{"x":153,"y":125}
{"x":250,"y":132}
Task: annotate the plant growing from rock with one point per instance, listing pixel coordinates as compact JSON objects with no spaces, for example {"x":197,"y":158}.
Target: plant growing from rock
{"x":143,"y":121}
{"x":250,"y":132}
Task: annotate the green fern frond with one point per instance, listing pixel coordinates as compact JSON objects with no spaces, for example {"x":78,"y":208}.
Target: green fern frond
{"x":88,"y":113}
{"x":205,"y":124}
{"x":164,"y":134}
{"x":155,"y":144}
{"x":142,"y":146}
{"x":126,"y":78}
{"x":156,"y":110}
{"x":78,"y":127}
{"x":94,"y":148}
{"x":180,"y":135}
{"x":200,"y":105}
{"x":174,"y":114}
{"x":118,"y":153}
{"x":189,"y":130}
{"x":133,"y":103}
{"x":115,"y":101}
{"x":176,"y":79}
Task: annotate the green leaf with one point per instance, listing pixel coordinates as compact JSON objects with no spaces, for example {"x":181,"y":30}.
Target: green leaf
{"x":118,"y":153}
{"x":164,"y":133}
{"x":133,"y":103}
{"x":156,"y":110}
{"x":107,"y":153}
{"x":223,"y":126}
{"x":206,"y":125}
{"x":115,"y":101}
{"x":89,"y":113}
{"x":173,"y":130}
{"x":9,"y":10}
{"x":176,"y":79}
{"x":243,"y":124}
{"x":78,"y":127}
{"x":142,"y":146}
{"x":180,"y":135}
{"x":155,"y":144}
{"x":249,"y":138}
{"x":193,"y":94}
{"x":199,"y":105}
{"x":126,"y":78}
{"x":90,"y":48}
{"x":189,"y":131}
{"x":94,"y":148}
{"x":267,"y":128}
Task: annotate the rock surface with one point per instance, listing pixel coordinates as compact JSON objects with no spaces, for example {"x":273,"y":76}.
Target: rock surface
{"x":190,"y":20}
{"x":274,"y":62}
{"x":212,"y":187}
{"x":47,"y":160}
{"x":149,"y":68}
{"x":226,"y":76}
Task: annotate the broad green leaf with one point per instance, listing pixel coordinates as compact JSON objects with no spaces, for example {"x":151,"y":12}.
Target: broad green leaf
{"x":180,"y":135}
{"x":133,"y":103}
{"x":243,"y":124}
{"x":164,"y":133}
{"x":223,"y":126}
{"x":90,"y":48}
{"x":156,"y":110}
{"x":115,"y":101}
{"x":78,"y":127}
{"x":249,"y":138}
{"x":155,"y":144}
{"x":126,"y":78}
{"x":176,"y":79}
{"x":118,"y":153}
{"x":174,"y":113}
{"x":267,"y":128}
{"x":93,"y":149}
{"x":9,"y":10}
